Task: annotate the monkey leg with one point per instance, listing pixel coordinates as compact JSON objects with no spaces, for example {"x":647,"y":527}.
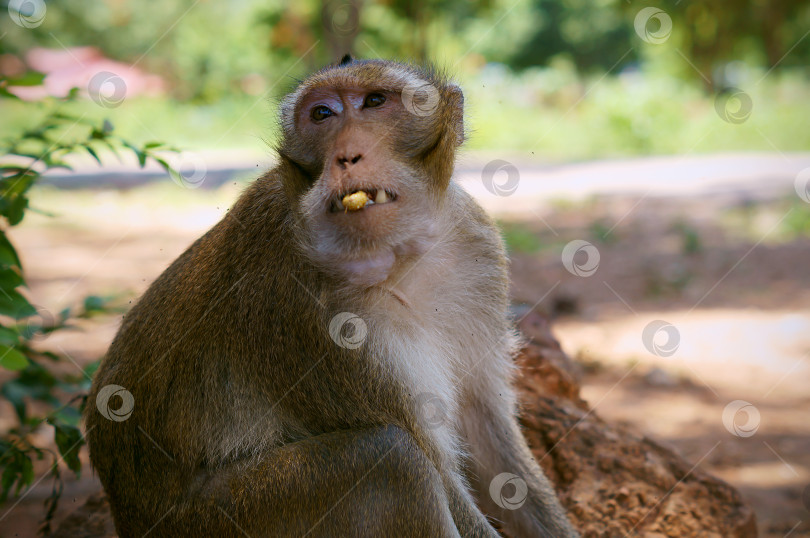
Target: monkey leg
{"x":374,"y":482}
{"x":527,"y":507}
{"x":469,"y":519}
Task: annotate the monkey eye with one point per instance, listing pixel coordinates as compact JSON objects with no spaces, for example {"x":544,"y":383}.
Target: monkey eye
{"x":373,"y":99}
{"x":321,"y":112}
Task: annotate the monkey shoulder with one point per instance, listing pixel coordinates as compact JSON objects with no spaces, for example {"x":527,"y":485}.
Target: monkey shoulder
{"x":476,"y":237}
{"x":210,"y":290}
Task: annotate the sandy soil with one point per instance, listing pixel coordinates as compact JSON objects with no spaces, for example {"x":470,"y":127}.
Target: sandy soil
{"x":727,"y":274}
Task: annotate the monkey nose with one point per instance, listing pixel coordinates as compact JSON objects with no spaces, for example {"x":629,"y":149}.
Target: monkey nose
{"x":348,"y":159}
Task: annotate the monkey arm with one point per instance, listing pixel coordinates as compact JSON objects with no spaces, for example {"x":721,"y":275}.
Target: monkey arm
{"x":468,"y":518}
{"x":356,"y":483}
{"x":497,"y":446}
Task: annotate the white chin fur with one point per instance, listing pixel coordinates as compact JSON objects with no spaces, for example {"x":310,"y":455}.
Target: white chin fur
{"x":369,"y":271}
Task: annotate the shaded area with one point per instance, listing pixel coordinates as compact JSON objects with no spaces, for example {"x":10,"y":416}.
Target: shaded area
{"x":746,"y":339}
{"x":613,"y":480}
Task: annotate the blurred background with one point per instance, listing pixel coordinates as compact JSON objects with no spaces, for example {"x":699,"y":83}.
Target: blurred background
{"x":649,"y":164}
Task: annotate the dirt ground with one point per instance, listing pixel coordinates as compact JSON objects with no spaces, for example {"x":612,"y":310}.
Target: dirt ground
{"x":729,"y":274}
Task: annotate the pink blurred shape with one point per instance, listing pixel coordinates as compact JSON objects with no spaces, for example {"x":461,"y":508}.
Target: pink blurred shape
{"x":74,"y":67}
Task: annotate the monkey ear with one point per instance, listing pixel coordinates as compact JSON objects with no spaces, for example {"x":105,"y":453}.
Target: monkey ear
{"x":347,"y":59}
{"x":456,"y":98}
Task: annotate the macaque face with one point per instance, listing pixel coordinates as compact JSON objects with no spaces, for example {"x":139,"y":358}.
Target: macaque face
{"x":368,"y":201}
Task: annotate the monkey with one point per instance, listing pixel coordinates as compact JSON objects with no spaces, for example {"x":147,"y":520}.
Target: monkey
{"x":310,"y":367}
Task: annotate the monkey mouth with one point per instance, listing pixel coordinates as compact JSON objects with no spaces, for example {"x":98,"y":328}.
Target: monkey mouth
{"x":355,"y":200}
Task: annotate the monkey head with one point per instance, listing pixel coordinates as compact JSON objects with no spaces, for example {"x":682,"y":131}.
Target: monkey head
{"x":385,"y":135}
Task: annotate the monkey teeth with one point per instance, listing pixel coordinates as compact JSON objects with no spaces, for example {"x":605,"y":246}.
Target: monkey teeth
{"x":357,"y":200}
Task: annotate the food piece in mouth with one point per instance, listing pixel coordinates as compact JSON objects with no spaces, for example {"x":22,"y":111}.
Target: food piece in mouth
{"x":355,"y":201}
{"x":360,"y":199}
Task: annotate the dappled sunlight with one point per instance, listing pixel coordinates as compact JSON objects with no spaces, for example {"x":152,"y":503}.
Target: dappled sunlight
{"x":648,"y":168}
{"x":725,"y":347}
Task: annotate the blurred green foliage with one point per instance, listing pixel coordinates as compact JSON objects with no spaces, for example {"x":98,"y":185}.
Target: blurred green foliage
{"x":566,"y":79}
{"x":797,"y":222}
{"x":40,"y":396}
{"x":205,"y":48}
{"x":520,"y":238}
{"x":539,"y":113}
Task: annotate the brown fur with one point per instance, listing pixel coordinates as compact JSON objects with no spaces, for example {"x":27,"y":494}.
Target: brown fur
{"x":249,"y":418}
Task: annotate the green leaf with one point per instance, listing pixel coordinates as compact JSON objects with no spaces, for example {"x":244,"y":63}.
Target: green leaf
{"x":13,"y":304}
{"x":8,"y":256}
{"x":28,"y":154}
{"x":12,"y":168}
{"x":15,"y":393}
{"x":10,"y":279}
{"x":140,"y":154}
{"x":69,"y":440}
{"x":68,"y":415}
{"x":42,"y":212}
{"x":7,"y":94}
{"x":18,"y":183}
{"x":8,"y":336}
{"x":62,"y":115}
{"x":34,"y":383}
{"x":11,"y":471}
{"x":109,"y":145}
{"x":51,"y":161}
{"x":16,"y":210}
{"x":26,"y":475}
{"x":12,"y":359}
{"x":94,"y":303}
{"x":17,"y":467}
{"x":38,"y":134}
{"x":92,"y":152}
{"x":90,"y":370}
{"x":171,"y":171}
{"x":51,"y":355}
{"x":31,"y":78}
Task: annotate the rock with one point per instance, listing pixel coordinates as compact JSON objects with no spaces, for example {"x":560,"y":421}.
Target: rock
{"x":615,"y":481}
{"x":91,"y":520}
{"x":612,"y":480}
